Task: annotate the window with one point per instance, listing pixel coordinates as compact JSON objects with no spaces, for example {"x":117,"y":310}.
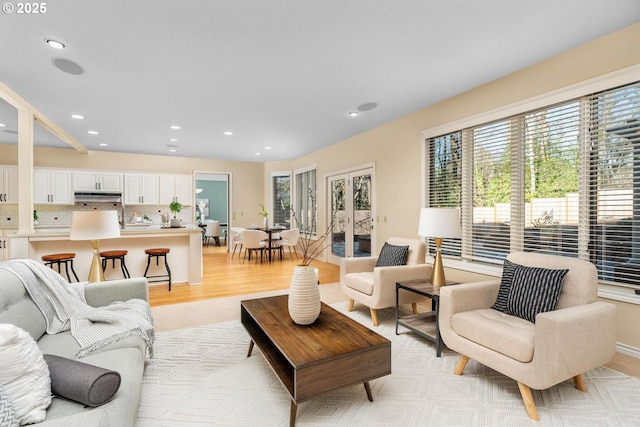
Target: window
{"x":491,"y":197}
{"x":563,"y":179}
{"x":614,"y":184}
{"x":306,"y":199}
{"x":281,"y":198}
{"x":445,"y":180}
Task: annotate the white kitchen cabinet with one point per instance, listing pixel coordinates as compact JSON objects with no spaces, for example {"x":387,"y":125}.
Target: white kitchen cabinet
{"x":52,"y":186}
{"x":97,"y":181}
{"x":5,"y":244}
{"x":176,"y":188}
{"x":8,"y":184}
{"x":141,"y":189}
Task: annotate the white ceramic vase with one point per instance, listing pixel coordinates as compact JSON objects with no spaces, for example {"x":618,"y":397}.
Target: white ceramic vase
{"x":266,"y":222}
{"x":304,"y":295}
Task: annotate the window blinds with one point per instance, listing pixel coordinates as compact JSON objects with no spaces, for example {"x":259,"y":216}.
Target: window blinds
{"x":614,"y":183}
{"x":564,"y":179}
{"x":306,"y":200}
{"x":281,"y":199}
{"x":445,"y":177}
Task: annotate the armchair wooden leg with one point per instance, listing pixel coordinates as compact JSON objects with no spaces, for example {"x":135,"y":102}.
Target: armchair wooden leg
{"x":579,"y":383}
{"x":461,"y":364}
{"x":529,"y":403}
{"x":414,"y":307}
{"x":374,"y":316}
{"x":350,"y":306}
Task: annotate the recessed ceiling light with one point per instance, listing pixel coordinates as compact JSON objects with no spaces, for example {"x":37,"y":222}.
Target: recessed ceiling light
{"x":172,"y":150}
{"x":92,"y":132}
{"x":1,"y":125}
{"x":228,"y":133}
{"x":174,"y":127}
{"x":353,"y":114}
{"x":267,"y":148}
{"x":257,"y":154}
{"x":77,"y":116}
{"x":173,"y":139}
{"x":103,"y":144}
{"x":55,"y":44}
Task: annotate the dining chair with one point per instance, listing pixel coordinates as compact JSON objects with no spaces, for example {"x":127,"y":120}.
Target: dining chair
{"x":236,"y":239}
{"x":254,"y":241}
{"x":212,"y":232}
{"x":289,"y":238}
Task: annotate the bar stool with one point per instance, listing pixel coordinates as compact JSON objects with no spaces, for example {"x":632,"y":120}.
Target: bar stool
{"x":113,"y":256}
{"x":157,"y":253}
{"x":58,"y":259}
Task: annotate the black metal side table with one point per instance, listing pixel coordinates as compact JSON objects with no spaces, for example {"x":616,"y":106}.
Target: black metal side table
{"x":423,"y":324}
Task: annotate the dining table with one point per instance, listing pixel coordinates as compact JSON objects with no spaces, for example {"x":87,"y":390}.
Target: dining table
{"x":269,"y":231}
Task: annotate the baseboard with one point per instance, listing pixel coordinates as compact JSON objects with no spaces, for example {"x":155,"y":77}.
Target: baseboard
{"x":628,"y":350}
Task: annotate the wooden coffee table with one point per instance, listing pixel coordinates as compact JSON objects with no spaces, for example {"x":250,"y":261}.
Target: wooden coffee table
{"x":334,"y":352}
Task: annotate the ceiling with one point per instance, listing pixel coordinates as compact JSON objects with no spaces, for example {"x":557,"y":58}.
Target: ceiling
{"x":282,"y":74}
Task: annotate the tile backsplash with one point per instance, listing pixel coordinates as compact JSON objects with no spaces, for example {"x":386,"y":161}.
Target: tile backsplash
{"x":60,"y":215}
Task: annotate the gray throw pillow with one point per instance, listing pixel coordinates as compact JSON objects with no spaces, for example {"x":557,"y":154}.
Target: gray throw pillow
{"x":505,"y":286}
{"x":81,"y":382}
{"x":392,"y":255}
{"x":7,"y":417}
{"x":534,"y":290}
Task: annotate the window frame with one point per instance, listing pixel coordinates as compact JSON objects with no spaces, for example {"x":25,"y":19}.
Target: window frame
{"x":573,"y":92}
{"x":301,"y":202}
{"x":272,"y":194}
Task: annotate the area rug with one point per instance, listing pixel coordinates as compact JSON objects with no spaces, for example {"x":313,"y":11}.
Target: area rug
{"x":201,"y":376}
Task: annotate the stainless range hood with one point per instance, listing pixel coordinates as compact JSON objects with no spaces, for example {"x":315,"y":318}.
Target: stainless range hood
{"x":90,"y":196}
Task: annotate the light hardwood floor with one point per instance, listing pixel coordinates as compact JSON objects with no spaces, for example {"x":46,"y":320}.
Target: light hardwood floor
{"x":225,"y":276}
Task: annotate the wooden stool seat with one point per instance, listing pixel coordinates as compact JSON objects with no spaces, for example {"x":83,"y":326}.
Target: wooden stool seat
{"x":58,"y":259}
{"x":113,"y":256}
{"x":157,"y":253}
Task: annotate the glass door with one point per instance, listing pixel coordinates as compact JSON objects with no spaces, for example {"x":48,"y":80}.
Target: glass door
{"x":352,"y":210}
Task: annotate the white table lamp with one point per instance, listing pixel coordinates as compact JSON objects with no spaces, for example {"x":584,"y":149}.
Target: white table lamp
{"x":95,"y":226}
{"x":439,"y":223}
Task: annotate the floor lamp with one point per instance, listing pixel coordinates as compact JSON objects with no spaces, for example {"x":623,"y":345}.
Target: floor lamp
{"x":95,"y":226}
{"x":439,"y":223}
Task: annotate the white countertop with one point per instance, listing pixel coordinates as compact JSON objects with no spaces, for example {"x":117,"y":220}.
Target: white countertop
{"x":130,"y":230}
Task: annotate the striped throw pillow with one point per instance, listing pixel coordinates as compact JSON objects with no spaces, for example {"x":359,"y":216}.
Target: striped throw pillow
{"x":534,"y":290}
{"x":505,"y":286}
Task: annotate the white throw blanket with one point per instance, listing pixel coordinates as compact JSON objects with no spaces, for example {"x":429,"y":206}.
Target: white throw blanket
{"x":64,"y":308}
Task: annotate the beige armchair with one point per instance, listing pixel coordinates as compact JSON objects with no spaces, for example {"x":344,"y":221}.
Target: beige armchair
{"x":375,"y":287}
{"x":562,"y":344}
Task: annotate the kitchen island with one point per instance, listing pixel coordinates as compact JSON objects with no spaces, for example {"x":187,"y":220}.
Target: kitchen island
{"x":185,"y":243}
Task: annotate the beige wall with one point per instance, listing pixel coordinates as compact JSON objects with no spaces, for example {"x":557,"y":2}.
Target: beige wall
{"x":396,"y":146}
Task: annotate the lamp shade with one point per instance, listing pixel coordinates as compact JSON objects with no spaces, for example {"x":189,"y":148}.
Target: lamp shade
{"x":94,"y":225}
{"x":440,"y":222}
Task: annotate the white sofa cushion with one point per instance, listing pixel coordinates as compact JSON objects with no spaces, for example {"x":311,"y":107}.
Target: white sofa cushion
{"x":361,"y":282}
{"x":504,"y":333}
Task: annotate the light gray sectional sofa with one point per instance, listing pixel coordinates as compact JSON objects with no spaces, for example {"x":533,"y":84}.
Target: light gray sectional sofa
{"x":126,"y":356}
